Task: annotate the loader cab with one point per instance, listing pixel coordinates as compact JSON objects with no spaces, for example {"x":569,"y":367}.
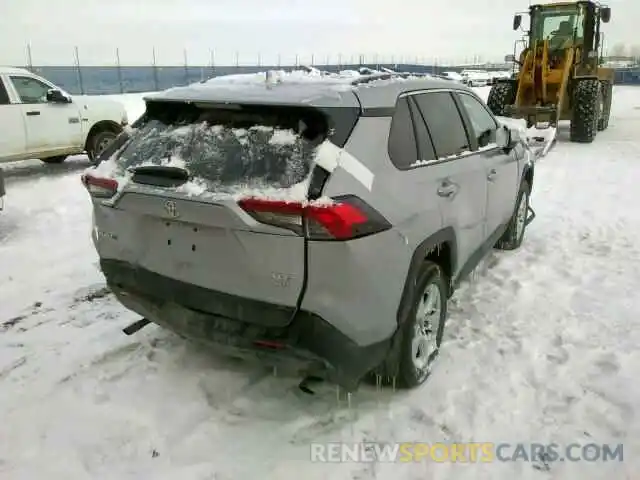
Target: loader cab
{"x":569,"y":25}
{"x":563,"y":26}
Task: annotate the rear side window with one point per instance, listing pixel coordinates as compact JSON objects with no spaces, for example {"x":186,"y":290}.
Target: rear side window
{"x":226,"y":148}
{"x":4,"y":96}
{"x":444,"y":123}
{"x":426,"y":151}
{"x":483,"y":124}
{"x":402,"y":141}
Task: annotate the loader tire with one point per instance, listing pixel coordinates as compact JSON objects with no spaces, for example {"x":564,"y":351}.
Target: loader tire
{"x":500,"y":95}
{"x":587,"y":102}
{"x":607,"y":94}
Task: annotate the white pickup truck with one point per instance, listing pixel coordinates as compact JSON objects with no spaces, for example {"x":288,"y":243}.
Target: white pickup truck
{"x":40,"y":120}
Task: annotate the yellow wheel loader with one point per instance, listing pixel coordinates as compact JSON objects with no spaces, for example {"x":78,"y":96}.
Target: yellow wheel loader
{"x":559,"y":75}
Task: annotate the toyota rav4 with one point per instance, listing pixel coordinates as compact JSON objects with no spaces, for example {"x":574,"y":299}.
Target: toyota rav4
{"x":315,"y":218}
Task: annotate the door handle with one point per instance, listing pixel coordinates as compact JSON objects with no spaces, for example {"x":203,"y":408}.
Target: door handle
{"x":447,"y":189}
{"x":492,"y":175}
{"x":33,"y":113}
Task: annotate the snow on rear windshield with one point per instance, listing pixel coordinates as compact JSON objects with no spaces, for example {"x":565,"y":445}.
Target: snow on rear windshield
{"x":222,"y":158}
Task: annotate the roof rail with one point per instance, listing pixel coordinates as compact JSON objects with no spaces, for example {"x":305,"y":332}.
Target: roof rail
{"x":385,"y":76}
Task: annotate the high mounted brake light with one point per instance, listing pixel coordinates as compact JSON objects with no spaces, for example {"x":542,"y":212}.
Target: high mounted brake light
{"x":346,"y":218}
{"x":99,"y":187}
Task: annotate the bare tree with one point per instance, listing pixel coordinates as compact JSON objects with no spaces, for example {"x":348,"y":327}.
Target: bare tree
{"x":634,"y":51}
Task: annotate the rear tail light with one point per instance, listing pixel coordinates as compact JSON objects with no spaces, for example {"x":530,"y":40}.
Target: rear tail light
{"x":99,"y":187}
{"x":348,"y":217}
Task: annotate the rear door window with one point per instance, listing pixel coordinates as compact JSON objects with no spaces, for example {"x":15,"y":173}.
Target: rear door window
{"x":444,"y":123}
{"x":228,"y":148}
{"x":482,"y":122}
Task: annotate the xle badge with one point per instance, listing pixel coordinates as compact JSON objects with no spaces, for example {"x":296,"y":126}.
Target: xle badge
{"x":281,"y":279}
{"x":171,"y":208}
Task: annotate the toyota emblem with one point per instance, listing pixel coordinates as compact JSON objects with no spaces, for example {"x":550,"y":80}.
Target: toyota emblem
{"x":171,"y":208}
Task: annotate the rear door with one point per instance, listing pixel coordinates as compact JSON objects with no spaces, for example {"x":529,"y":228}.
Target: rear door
{"x":461,"y":180}
{"x":501,"y":165}
{"x":13,"y":135}
{"x":196,"y":230}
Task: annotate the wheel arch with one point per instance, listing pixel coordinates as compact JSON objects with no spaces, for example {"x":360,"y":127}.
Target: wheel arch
{"x":439,"y":248}
{"x":101,"y":126}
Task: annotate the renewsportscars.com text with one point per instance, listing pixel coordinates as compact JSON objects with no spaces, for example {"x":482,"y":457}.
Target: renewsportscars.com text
{"x":485,"y":452}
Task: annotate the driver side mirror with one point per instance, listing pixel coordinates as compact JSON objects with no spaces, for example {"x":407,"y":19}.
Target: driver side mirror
{"x":605,"y":14}
{"x":56,"y":96}
{"x":517,"y":21}
{"x":507,"y":137}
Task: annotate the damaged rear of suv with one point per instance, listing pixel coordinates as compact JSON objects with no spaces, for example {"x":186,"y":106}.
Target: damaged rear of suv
{"x":203,"y":219}
{"x":273,"y":220}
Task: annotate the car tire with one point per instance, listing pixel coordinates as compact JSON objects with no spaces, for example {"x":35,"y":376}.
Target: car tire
{"x":514,"y":234}
{"x":99,"y":143}
{"x":421,"y":332}
{"x":54,"y":160}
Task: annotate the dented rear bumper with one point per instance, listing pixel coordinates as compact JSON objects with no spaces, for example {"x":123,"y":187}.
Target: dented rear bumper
{"x":270,"y":333}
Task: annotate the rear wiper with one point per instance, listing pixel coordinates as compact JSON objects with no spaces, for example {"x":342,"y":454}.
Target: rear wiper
{"x":159,"y":175}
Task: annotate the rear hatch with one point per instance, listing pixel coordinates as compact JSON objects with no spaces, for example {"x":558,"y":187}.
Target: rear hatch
{"x":212,"y":195}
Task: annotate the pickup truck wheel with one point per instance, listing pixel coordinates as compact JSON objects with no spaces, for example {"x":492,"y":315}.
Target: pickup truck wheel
{"x":99,"y":142}
{"x":54,"y":160}
{"x":513,"y":236}
{"x":422,"y":331}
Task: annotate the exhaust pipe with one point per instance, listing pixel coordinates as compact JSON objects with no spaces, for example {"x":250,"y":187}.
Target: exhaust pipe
{"x":136,"y":326}
{"x":307,"y":382}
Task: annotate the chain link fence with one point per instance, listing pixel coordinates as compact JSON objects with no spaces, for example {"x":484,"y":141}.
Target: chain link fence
{"x":118,"y":78}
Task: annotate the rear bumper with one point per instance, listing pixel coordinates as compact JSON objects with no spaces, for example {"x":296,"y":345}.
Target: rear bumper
{"x":240,"y":327}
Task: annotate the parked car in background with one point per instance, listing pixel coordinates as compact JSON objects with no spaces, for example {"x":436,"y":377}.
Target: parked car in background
{"x":500,"y":75}
{"x":455,"y":76}
{"x":325,"y":221}
{"x":40,"y":120}
{"x":475,"y":78}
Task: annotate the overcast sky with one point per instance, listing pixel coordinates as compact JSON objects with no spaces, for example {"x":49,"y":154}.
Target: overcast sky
{"x":450,"y":30}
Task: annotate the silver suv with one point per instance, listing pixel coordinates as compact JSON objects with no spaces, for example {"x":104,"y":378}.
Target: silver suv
{"x":323,"y":220}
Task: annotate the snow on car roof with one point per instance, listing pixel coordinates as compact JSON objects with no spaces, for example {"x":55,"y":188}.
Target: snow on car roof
{"x":308,"y":86}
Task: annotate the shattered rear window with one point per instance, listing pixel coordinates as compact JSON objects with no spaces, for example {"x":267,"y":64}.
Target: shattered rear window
{"x":224,"y":148}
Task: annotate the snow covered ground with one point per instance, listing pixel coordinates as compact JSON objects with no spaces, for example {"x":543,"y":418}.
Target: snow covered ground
{"x":542,"y":346}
